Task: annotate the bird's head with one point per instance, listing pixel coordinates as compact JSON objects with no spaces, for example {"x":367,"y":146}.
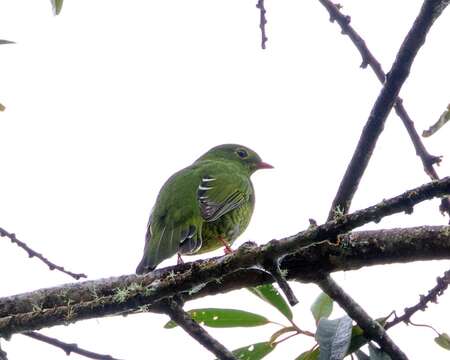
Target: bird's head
{"x":238,"y":154}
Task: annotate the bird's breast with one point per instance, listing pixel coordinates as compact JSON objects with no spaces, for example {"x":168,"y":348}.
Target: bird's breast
{"x":227,"y":227}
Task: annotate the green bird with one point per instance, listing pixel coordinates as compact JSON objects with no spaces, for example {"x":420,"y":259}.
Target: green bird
{"x":203,"y":206}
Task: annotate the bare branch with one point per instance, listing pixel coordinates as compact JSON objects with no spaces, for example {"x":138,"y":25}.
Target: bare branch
{"x":32,"y":253}
{"x":442,"y":285}
{"x":428,"y":160}
{"x":372,"y":330}
{"x":66,"y":347}
{"x":3,"y":355}
{"x":183,"y":319}
{"x":262,"y":22}
{"x":415,"y":38}
{"x":372,"y":130}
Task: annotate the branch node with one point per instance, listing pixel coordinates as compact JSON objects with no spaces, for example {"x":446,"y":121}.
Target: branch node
{"x":364,"y":64}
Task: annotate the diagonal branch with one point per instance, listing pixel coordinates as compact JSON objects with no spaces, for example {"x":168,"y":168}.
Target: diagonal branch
{"x":262,"y":22}
{"x":430,"y":11}
{"x":428,"y":160}
{"x":66,"y":347}
{"x":442,"y":285}
{"x":32,"y":253}
{"x":38,"y":310}
{"x":372,"y":130}
{"x":372,"y":330}
{"x":183,"y":319}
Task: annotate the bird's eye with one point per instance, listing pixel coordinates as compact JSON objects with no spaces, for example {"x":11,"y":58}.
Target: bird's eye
{"x":242,"y":153}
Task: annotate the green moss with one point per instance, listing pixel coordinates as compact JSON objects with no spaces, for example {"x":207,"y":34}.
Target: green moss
{"x":121,"y":294}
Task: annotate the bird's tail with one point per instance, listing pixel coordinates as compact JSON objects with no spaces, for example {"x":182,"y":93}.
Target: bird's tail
{"x":166,"y":242}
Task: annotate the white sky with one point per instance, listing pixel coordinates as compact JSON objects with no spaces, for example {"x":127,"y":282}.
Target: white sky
{"x":106,"y":101}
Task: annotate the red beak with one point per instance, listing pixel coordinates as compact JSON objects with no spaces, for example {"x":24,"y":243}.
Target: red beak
{"x":264,"y":165}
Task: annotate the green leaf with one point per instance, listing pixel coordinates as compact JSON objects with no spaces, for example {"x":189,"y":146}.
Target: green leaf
{"x":222,"y":318}
{"x":269,"y":294}
{"x":357,"y":340}
{"x":254,"y":352}
{"x":309,"y":355}
{"x":57,"y":6}
{"x":444,"y":118}
{"x":377,"y":354}
{"x":334,"y":337}
{"x":443,"y":340}
{"x":322,"y":307}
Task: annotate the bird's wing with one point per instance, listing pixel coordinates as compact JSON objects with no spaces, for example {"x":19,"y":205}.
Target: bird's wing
{"x":220,"y":193}
{"x":175,"y":222}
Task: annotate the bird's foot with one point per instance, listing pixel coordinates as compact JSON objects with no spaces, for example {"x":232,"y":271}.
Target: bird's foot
{"x":227,"y":248}
{"x":179,"y":259}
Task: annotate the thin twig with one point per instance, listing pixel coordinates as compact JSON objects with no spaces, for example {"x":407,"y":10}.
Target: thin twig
{"x":427,"y":326}
{"x":415,"y":38}
{"x":183,"y":319}
{"x":262,"y":22}
{"x":442,"y":285}
{"x":357,"y":249}
{"x":3,"y":355}
{"x":372,"y":330}
{"x":428,"y":160}
{"x":32,"y":253}
{"x":66,"y":347}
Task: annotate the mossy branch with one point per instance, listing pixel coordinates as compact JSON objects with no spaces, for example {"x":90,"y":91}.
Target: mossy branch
{"x":73,"y":302}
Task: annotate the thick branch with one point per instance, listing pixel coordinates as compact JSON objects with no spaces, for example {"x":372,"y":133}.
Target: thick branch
{"x":429,"y":12}
{"x":192,"y":277}
{"x":66,"y":347}
{"x":372,"y":330}
{"x":92,"y":299}
{"x":183,"y":319}
{"x":33,"y":253}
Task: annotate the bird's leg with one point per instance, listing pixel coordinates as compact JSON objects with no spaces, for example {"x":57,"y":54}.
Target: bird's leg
{"x":227,"y":248}
{"x":179,"y":259}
